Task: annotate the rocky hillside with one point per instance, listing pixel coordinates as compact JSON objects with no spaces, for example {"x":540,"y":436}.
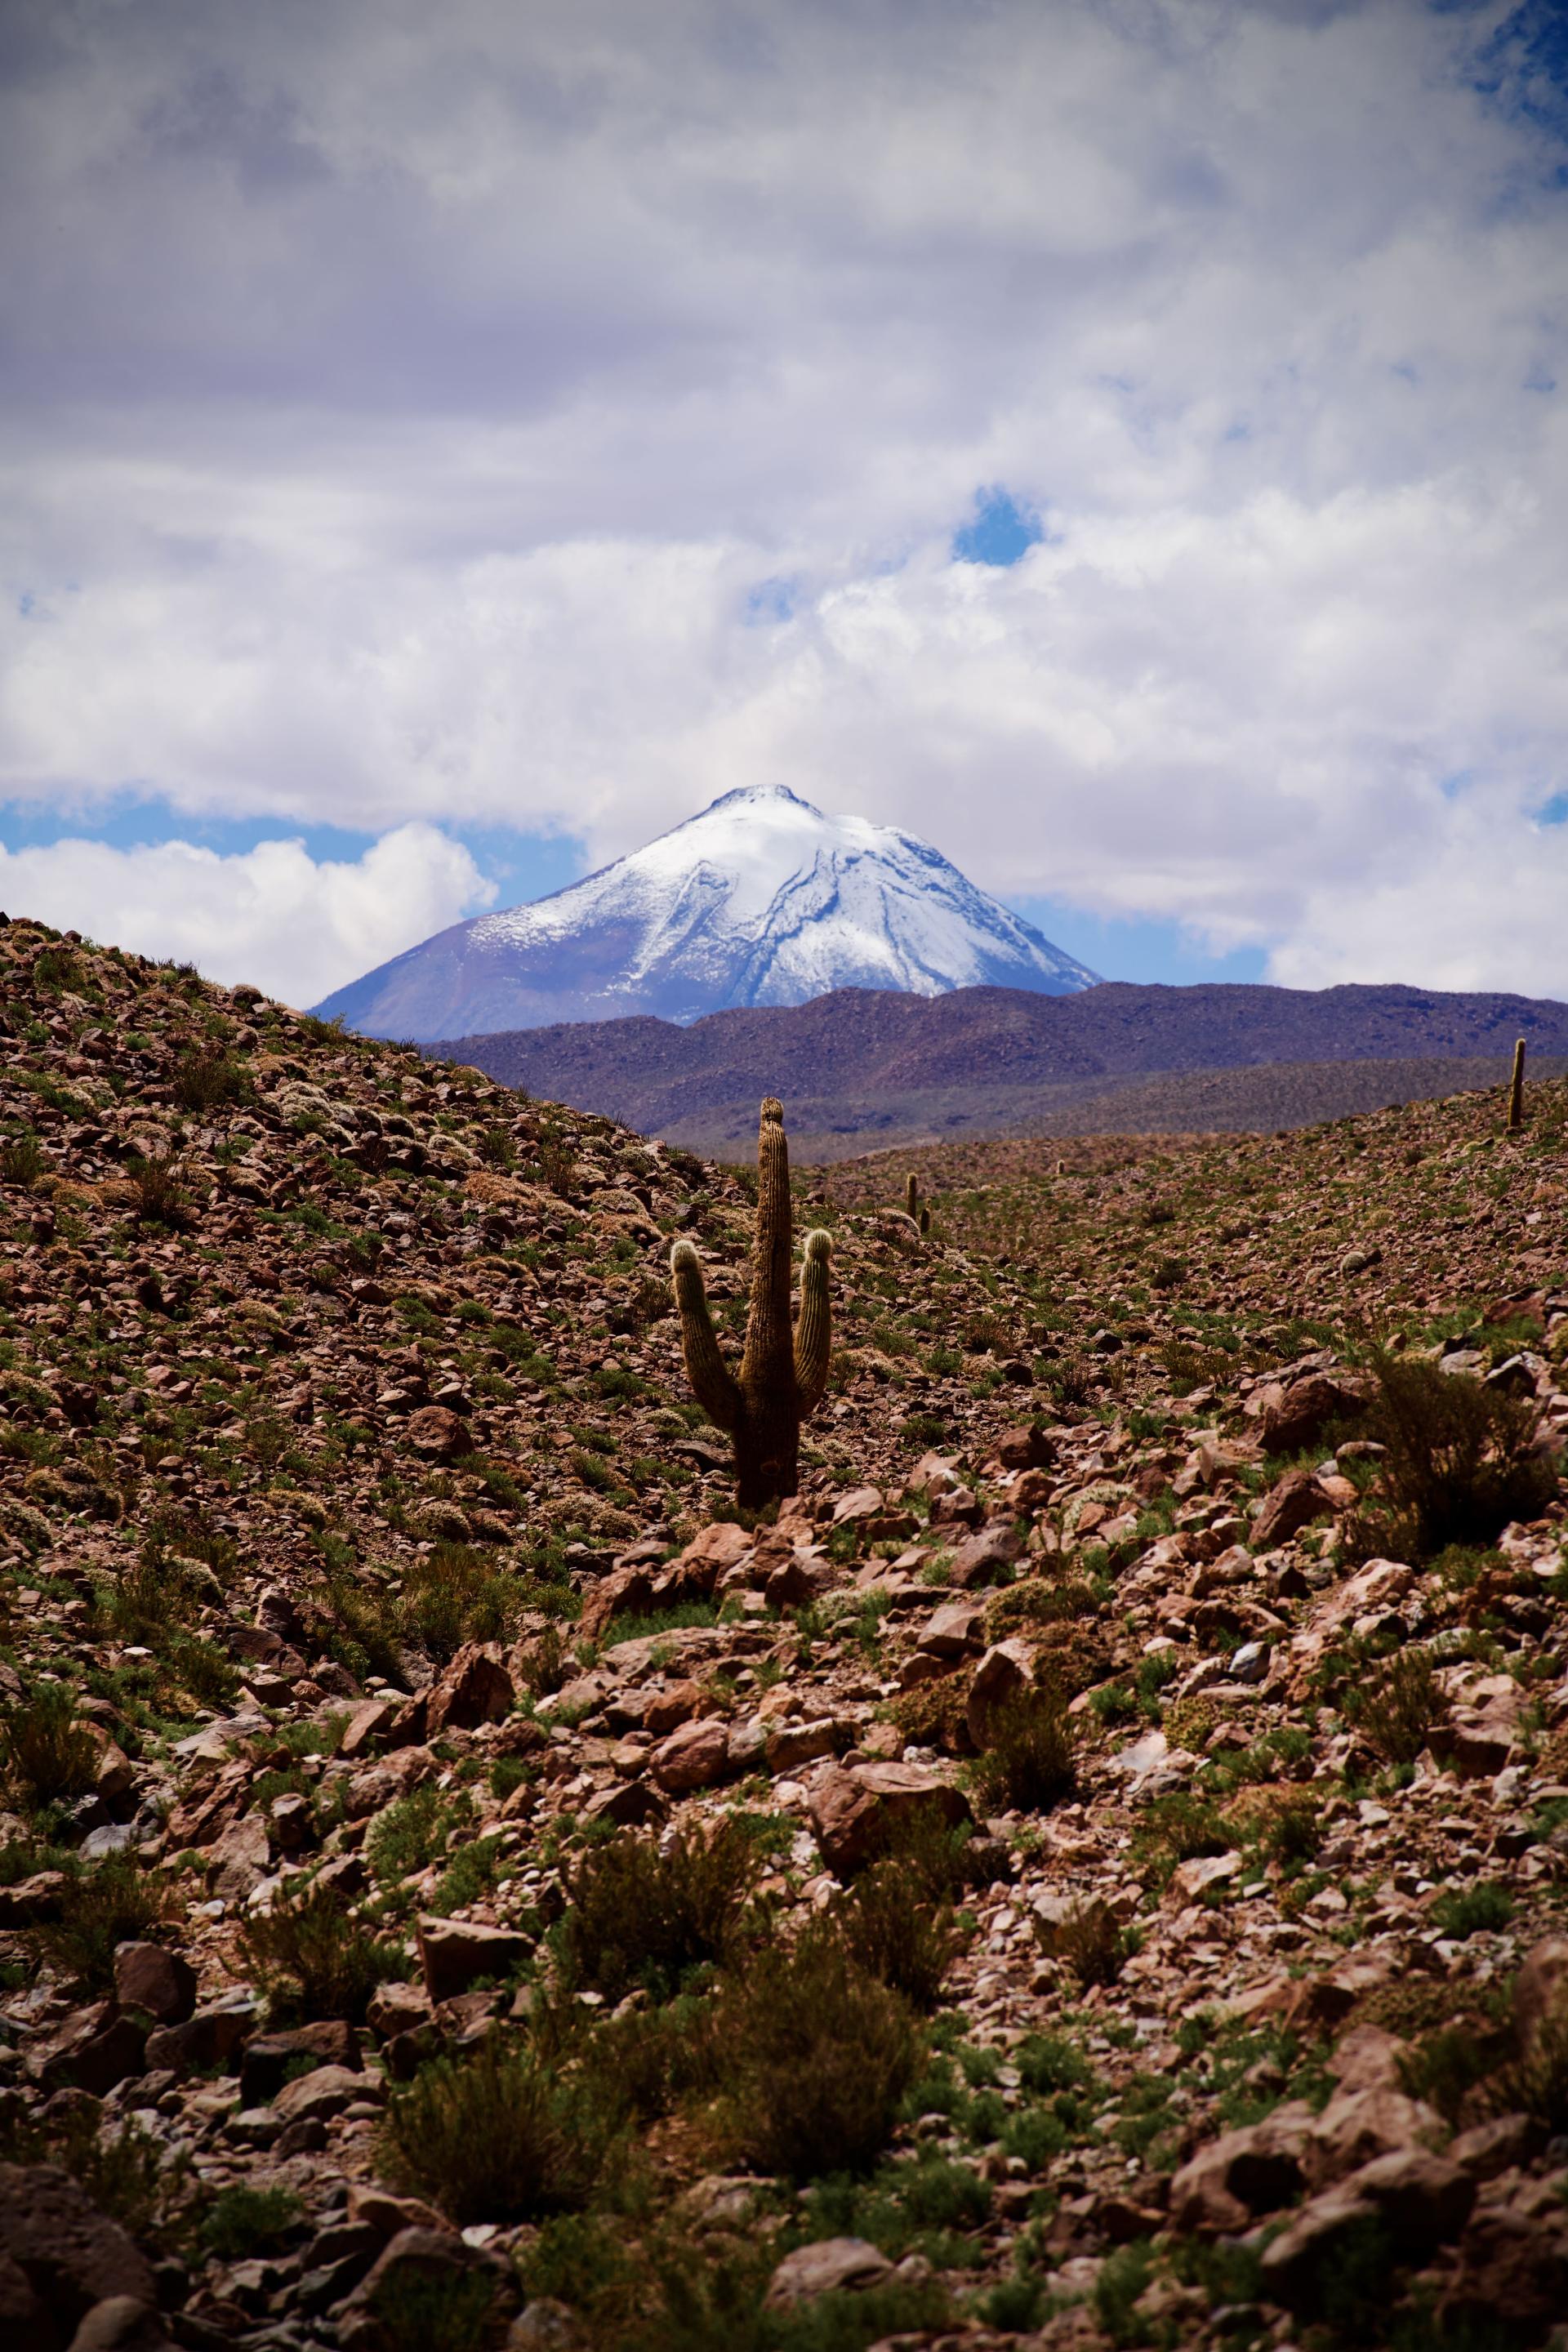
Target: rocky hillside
{"x":872,"y":1067}
{"x":1086,"y":1872}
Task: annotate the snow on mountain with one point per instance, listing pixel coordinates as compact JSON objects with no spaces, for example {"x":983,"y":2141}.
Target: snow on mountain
{"x":761,"y":900}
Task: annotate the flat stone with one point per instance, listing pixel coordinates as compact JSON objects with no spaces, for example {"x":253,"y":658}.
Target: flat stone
{"x":828,"y":2267}
{"x":854,"y":1808}
{"x":454,"y":1953}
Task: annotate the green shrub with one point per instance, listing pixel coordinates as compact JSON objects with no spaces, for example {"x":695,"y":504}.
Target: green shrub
{"x":458,"y":1594}
{"x":22,"y":1160}
{"x":1446,"y":2067}
{"x":161,"y":1195}
{"x":892,"y":1928}
{"x":815,"y":2055}
{"x":207,"y":1077}
{"x":114,"y":1902}
{"x":1397,"y":1706}
{"x":50,"y":1755}
{"x":243,"y":2222}
{"x":127,"y":2171}
{"x":640,"y":1914}
{"x":1091,"y":1942}
{"x":1031,"y":1753}
{"x":411,"y":1833}
{"x":314,"y":1959}
{"x":501,"y":2136}
{"x":1457,"y":1466}
{"x":447,"y":2312}
{"x":1464,"y":1911}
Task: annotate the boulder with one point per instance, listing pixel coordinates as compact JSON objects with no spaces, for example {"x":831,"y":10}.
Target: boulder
{"x":1295,"y":1414}
{"x":828,"y":2267}
{"x":855,"y":1808}
{"x":1425,"y":2200}
{"x":1005,"y":1672}
{"x":1537,"y":1988}
{"x":980,"y":1558}
{"x":368,"y":1718}
{"x":1226,"y":2186}
{"x":627,"y":1592}
{"x":454,"y":1953}
{"x":160,"y":1983}
{"x":695,"y":1757}
{"x":436,"y":1434}
{"x":206,"y":2042}
{"x":1292,"y":1503}
{"x":325,"y":2092}
{"x":59,"y":2257}
{"x":475,"y":1688}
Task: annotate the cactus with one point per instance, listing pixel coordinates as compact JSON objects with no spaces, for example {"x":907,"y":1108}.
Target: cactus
{"x":1516,"y":1092}
{"x":912,"y":1197}
{"x":782,"y":1373}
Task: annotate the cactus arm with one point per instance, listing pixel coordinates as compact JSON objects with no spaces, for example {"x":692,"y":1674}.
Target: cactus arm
{"x":814,"y":1333}
{"x":766,"y":1368}
{"x":712,"y":1382}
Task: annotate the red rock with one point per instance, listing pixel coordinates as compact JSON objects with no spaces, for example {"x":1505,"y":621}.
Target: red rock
{"x":323,"y":2093}
{"x":1027,"y":1448}
{"x":475,"y":1688}
{"x":437,"y":1433}
{"x":1425,"y":2200}
{"x":58,"y":2257}
{"x":158,"y":1982}
{"x":979,"y":1558}
{"x":1006,"y":1670}
{"x":1292,"y":1503}
{"x":1255,"y":2171}
{"x":854,"y":1808}
{"x":207,"y":2040}
{"x":454,"y":1953}
{"x":695,"y":1757}
{"x":368,"y":1718}
{"x":1538,"y":1986}
{"x":265,"y":2066}
{"x":859,"y":1503}
{"x":101,"y":2051}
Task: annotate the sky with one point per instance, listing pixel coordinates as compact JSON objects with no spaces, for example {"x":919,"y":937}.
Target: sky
{"x":1122,"y":441}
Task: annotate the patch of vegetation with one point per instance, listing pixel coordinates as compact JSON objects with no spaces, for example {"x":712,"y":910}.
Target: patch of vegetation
{"x":640,"y":1914}
{"x":313,"y":1959}
{"x":498,"y":2136}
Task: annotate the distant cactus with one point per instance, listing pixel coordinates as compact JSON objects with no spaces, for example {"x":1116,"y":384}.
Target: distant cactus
{"x":782,"y":1374}
{"x":1516,"y":1093}
{"x":913,"y":1196}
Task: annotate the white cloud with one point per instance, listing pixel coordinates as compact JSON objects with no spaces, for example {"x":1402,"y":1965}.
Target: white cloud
{"x":294,"y":926}
{"x":405,"y":406}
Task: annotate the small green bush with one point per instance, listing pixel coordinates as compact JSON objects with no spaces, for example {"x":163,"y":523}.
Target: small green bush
{"x":49,"y":1754}
{"x":501,"y":2136}
{"x":1031,"y":1753}
{"x":207,"y":1077}
{"x":243,"y":2222}
{"x":449,"y":2312}
{"x":22,"y":1160}
{"x":815,"y":2055}
{"x":1464,"y":1911}
{"x":892,"y":1928}
{"x":643,"y":1914}
{"x":1396,"y":1707}
{"x":114,"y":1902}
{"x":1458,"y":1465}
{"x":314,"y":1959}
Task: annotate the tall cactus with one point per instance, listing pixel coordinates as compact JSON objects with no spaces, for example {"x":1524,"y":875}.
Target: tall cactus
{"x":1516,"y":1092}
{"x":912,"y":1197}
{"x":782,"y":1373}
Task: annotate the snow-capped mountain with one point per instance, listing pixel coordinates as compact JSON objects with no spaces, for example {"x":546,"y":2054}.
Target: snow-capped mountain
{"x":762,"y":900}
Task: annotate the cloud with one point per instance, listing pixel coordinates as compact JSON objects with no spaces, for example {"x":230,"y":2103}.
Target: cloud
{"x":554,"y":417}
{"x":295,"y":927}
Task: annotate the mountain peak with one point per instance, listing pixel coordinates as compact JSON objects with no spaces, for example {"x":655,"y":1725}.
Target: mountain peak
{"x":759,"y":898}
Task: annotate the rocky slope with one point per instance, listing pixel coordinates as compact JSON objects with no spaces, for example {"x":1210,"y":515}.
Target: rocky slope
{"x":863,"y":1066}
{"x":1088,"y":1872}
{"x":758,"y":899}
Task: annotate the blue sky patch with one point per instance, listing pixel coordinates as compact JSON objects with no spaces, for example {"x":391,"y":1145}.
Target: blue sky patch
{"x":1003,"y":532}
